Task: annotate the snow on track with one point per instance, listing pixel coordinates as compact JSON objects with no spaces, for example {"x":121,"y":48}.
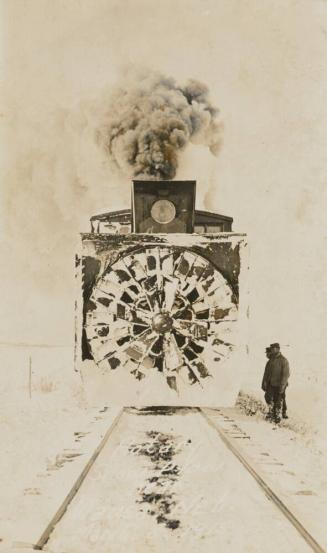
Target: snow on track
{"x":166,"y":481}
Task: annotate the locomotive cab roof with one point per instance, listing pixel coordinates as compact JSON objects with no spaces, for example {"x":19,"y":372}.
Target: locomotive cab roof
{"x":120,"y":222}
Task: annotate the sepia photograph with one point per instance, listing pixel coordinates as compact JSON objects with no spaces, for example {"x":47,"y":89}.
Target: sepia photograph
{"x":163,"y":271}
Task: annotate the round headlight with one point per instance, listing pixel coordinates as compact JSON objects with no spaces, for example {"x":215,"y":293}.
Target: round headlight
{"x":163,"y":211}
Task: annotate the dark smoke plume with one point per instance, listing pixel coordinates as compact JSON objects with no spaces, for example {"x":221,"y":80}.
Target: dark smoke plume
{"x":150,"y":119}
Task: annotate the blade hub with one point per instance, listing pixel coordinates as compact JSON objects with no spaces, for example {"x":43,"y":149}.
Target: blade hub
{"x":162,"y":322}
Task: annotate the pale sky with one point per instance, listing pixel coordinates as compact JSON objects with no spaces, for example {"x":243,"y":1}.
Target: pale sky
{"x":265,"y":64}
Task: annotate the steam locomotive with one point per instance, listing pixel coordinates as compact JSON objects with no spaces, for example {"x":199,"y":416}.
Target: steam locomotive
{"x":161,"y":310}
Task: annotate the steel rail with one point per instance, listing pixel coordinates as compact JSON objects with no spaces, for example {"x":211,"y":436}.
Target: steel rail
{"x":63,"y":507}
{"x":266,"y":487}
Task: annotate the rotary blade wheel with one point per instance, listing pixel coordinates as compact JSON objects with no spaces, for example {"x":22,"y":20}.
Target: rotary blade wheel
{"x":161,"y":309}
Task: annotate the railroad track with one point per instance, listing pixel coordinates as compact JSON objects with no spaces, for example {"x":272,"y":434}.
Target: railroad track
{"x":160,"y":478}
{"x":268,"y":488}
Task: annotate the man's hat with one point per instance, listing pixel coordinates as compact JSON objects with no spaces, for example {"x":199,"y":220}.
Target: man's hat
{"x":275,"y":345}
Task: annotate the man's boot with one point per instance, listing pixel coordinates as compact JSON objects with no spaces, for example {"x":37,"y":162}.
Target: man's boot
{"x":277,"y":417}
{"x":269,"y":415}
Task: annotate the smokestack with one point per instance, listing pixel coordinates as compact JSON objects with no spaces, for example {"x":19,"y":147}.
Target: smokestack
{"x":150,"y":120}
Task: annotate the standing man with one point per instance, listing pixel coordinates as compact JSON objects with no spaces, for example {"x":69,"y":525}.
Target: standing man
{"x":274,"y":382}
{"x":265,"y":384}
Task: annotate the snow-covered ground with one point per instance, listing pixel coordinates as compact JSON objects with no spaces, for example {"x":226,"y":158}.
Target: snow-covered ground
{"x":44,"y":429}
{"x":288,"y":456}
{"x":164,"y":482}
{"x":45,"y":422}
